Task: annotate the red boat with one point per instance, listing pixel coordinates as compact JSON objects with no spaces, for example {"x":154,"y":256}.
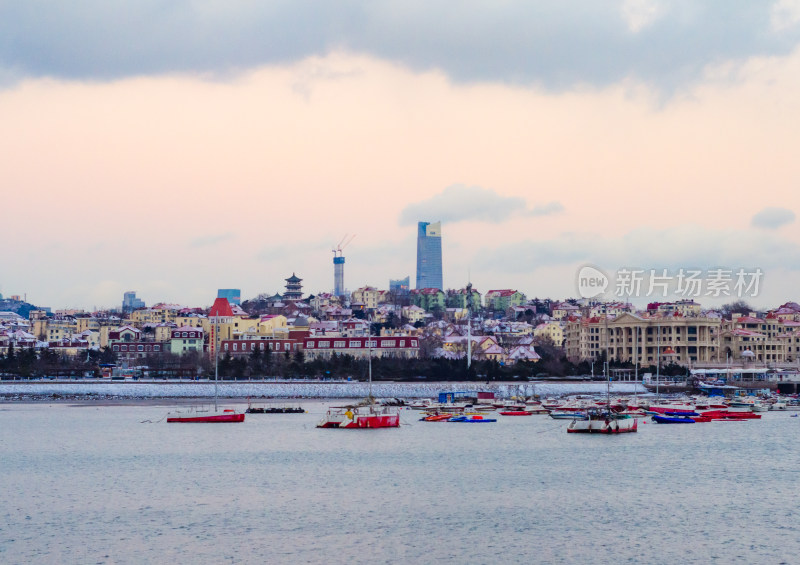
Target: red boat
{"x":739,"y":416}
{"x":367,"y":416}
{"x":207,"y":417}
{"x":516,"y":413}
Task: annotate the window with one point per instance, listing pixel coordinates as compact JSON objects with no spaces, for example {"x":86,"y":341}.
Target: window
{"x":324,"y":344}
{"x":116,"y":348}
{"x":389,"y":343}
{"x":309,"y":345}
{"x":235,"y":346}
{"x":338,"y":343}
{"x":140,"y":348}
{"x":354,"y":343}
{"x":156,"y":348}
{"x":413,"y":343}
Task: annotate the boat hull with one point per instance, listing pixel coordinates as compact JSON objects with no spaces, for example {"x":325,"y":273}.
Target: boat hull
{"x":209,"y":419}
{"x":603,"y":426}
{"x":389,"y":421}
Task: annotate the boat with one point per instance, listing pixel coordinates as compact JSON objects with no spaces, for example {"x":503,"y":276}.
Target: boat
{"x":360,"y":416}
{"x":437,"y":417}
{"x":367,"y":415}
{"x":274,"y":409}
{"x":597,"y":422}
{"x":471,"y":419}
{"x":198,"y":416}
{"x":603,"y":421}
{"x":676,"y":419}
{"x":567,"y":415}
{"x":204,"y":416}
{"x":516,"y":413}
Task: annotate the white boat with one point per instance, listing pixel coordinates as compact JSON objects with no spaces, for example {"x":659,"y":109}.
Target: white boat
{"x":603,"y":423}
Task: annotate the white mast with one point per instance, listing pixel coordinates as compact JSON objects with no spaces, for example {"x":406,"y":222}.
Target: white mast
{"x":469,"y":325}
{"x":370,"y":368}
{"x":216,"y":358}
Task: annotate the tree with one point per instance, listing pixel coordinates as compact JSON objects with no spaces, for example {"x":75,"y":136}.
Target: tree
{"x":737,"y":307}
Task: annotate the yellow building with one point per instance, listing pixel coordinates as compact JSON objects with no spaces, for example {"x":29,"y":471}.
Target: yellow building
{"x":413,"y":314}
{"x":552,"y":331}
{"x":645,"y":339}
{"x":366,"y":295}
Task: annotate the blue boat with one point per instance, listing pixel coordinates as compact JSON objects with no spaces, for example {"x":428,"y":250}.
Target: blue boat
{"x":672,"y":419}
{"x":471,"y":419}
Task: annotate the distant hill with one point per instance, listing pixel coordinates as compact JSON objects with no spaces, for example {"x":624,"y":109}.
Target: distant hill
{"x":16,"y":306}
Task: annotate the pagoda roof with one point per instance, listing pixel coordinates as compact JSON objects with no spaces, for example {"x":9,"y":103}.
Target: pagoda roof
{"x":294,"y":279}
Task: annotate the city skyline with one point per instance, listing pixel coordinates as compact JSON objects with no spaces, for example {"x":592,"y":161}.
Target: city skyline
{"x":662,"y":139}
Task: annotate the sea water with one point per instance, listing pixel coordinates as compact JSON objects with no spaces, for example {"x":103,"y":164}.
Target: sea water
{"x":117,"y":484}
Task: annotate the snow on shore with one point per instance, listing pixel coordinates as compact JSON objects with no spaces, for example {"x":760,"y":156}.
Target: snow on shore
{"x":301,"y":389}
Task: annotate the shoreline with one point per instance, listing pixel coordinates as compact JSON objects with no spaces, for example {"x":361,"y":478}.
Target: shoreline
{"x":182,"y":392}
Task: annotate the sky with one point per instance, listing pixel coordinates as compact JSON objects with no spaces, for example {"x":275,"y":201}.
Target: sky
{"x":177,"y":147}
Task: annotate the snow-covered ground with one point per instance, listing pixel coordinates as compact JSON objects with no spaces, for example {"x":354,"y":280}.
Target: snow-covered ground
{"x":301,"y":389}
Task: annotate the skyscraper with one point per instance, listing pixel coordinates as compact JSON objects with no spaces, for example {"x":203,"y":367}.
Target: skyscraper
{"x":429,"y":255}
{"x":234,"y":295}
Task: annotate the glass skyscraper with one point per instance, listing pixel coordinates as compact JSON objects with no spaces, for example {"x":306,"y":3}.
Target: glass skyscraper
{"x":429,"y":255}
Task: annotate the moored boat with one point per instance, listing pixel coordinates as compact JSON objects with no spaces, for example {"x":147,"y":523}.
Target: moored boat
{"x":361,"y":416}
{"x":673,"y":419}
{"x":471,"y":419}
{"x":208,"y":417}
{"x":603,"y":423}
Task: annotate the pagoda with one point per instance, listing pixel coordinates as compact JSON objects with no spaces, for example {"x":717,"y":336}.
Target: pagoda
{"x":294,"y":288}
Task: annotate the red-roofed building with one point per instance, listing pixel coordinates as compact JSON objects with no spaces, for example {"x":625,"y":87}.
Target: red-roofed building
{"x":502,"y":300}
{"x":221,"y":308}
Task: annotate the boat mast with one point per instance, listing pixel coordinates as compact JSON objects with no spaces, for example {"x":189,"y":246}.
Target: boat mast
{"x":658,"y":357}
{"x":216,"y":359}
{"x":607,"y":369}
{"x":469,"y":327}
{"x":370,"y":369}
{"x":636,"y":364}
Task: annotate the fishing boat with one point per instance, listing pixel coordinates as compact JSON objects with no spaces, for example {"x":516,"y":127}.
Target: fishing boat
{"x":603,"y":421}
{"x":598,"y":422}
{"x":367,"y":415}
{"x":202,"y":415}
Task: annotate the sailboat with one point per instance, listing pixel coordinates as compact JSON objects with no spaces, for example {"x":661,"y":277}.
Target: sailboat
{"x":604,"y":421}
{"x":367,"y":414}
{"x":207,"y":416}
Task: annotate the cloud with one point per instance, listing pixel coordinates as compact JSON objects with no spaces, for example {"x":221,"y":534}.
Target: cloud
{"x":785,"y":14}
{"x":546,"y":209}
{"x":639,"y":14}
{"x":686,"y":246}
{"x":459,"y":203}
{"x":772,"y":218}
{"x":551,"y":43}
{"x":211,"y":239}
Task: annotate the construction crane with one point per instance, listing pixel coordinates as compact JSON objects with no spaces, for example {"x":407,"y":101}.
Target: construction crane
{"x":338,"y":264}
